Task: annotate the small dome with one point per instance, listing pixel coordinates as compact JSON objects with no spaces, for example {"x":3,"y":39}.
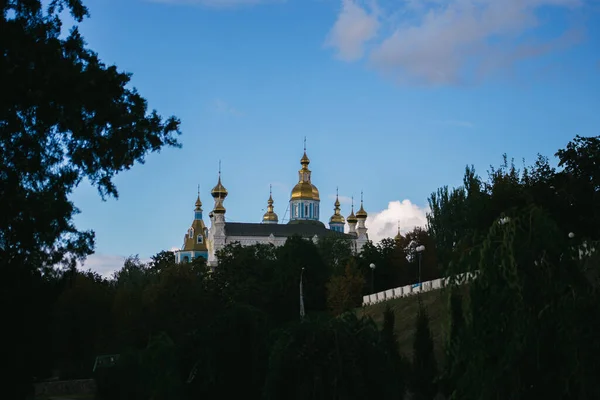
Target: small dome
{"x":304,"y":160}
{"x":361,"y":214}
{"x":352,"y":218}
{"x":219,"y":191}
{"x":219,"y":209}
{"x":198,"y":204}
{"x":337,"y":217}
{"x":270,"y":216}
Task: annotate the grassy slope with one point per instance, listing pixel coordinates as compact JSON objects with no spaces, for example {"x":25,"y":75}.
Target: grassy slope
{"x":405,"y":310}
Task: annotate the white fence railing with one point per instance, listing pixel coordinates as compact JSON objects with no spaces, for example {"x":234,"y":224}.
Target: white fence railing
{"x":409,"y":290}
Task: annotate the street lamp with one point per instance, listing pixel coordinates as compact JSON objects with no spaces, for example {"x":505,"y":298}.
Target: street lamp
{"x":420,"y":249}
{"x":301,"y":296}
{"x":372,"y":266}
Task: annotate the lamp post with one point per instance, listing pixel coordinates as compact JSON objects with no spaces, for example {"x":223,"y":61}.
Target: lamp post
{"x":372,"y":266}
{"x":301,"y":296}
{"x":420,"y":249}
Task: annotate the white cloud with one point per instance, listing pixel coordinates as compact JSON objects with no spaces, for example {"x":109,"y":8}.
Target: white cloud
{"x":218,"y":3}
{"x":441,"y":41}
{"x":353,"y":28}
{"x":384,"y":224}
{"x":105,"y":264}
{"x":221,"y":107}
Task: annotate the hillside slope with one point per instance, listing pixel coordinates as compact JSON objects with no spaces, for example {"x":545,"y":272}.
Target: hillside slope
{"x":405,"y":309}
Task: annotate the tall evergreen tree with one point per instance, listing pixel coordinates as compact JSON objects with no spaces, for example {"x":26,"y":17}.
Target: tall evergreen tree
{"x":423,"y":384}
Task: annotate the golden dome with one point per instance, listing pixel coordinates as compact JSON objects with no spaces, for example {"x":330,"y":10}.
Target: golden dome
{"x":337,"y":217}
{"x":352,"y":218}
{"x":398,"y":235}
{"x":219,"y":209}
{"x":304,"y":189}
{"x":304,"y":160}
{"x":270,"y":215}
{"x":219,"y":191}
{"x":198,"y":202}
{"x":361,"y":214}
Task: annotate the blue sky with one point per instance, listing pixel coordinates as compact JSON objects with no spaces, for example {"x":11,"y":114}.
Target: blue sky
{"x":395,"y":98}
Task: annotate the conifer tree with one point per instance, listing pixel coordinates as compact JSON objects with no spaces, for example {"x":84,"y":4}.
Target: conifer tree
{"x":424,"y":367}
{"x":454,"y":357}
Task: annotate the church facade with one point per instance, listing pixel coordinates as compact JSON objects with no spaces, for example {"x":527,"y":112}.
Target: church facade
{"x":304,"y":209}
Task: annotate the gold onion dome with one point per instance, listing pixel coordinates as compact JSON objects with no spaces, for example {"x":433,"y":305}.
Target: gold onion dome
{"x":304,"y":189}
{"x":270,"y":215}
{"x":198,"y":204}
{"x":352,"y":218}
{"x":398,"y":235}
{"x":219,"y":191}
{"x":337,"y":216}
{"x":361,"y":214}
{"x":219,"y":209}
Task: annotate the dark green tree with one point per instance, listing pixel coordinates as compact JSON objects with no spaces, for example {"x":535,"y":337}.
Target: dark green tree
{"x":231,"y":352}
{"x":423,"y":383}
{"x":332,"y":359}
{"x":65,"y":117}
{"x":530,"y":316}
{"x":455,"y":361}
{"x":82,"y":324}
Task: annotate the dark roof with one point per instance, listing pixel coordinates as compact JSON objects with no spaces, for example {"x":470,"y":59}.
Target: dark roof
{"x":280,"y":230}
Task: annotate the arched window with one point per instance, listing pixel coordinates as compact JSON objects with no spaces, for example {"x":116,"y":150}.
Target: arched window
{"x":191,"y":233}
{"x":199,"y":239}
{"x":186,"y":259}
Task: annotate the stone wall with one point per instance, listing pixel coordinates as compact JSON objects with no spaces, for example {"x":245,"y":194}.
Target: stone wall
{"x":65,"y":388}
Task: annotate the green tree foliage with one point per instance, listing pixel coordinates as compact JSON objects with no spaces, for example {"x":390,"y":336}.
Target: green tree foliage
{"x":344,"y":292}
{"x":231,"y":353}
{"x":423,"y":382}
{"x":64,"y":116}
{"x":428,"y":258}
{"x":460,"y":218}
{"x":298,"y":253}
{"x":151,"y":373}
{"x":335,"y":253}
{"x":341,"y":358}
{"x":246,"y":274}
{"x":82,"y":324}
{"x":531,"y":316}
{"x":455,"y":360}
{"x":129,"y":314}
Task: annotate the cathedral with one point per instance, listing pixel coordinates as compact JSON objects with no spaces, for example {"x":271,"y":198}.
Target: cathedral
{"x":304,"y":208}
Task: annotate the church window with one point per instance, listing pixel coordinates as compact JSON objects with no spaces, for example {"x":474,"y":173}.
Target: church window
{"x":186,"y":259}
{"x":296,"y":210}
{"x":306,"y":210}
{"x":199,"y":239}
{"x":191,"y":233}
